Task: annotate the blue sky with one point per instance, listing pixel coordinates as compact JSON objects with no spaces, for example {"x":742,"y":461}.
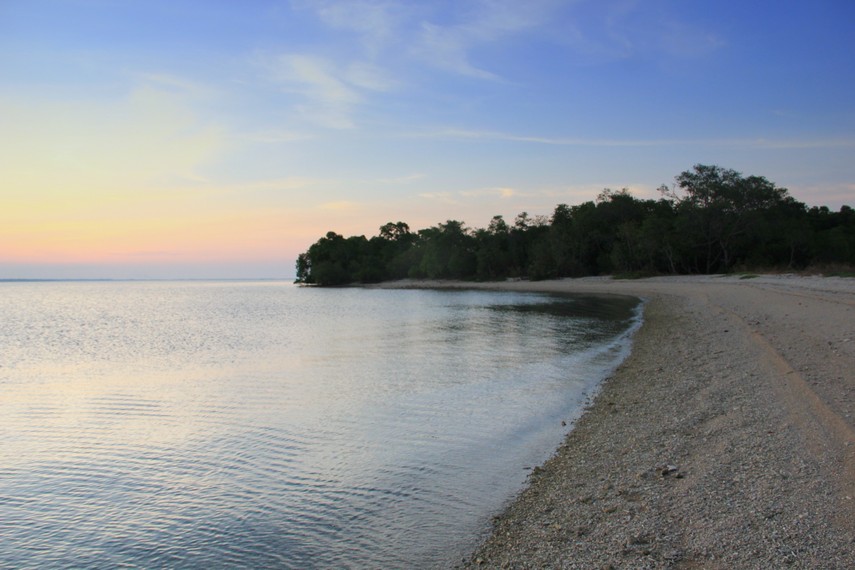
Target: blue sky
{"x":222,"y":138}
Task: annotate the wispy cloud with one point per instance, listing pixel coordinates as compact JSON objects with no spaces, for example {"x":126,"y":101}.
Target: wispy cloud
{"x":449,"y":46}
{"x":442,"y":36}
{"x":757,"y":143}
{"x":447,"y":49}
{"x":444,"y":197}
{"x":173,"y":83}
{"x":325,"y":98}
{"x":599,"y":32}
{"x":472,"y":134}
{"x":377,"y":23}
{"x":393,"y":40}
{"x":479,"y":195}
{"x":501,"y":192}
{"x":328,"y":92}
{"x":369,"y":77}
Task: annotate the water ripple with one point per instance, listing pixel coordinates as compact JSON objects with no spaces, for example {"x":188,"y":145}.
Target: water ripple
{"x":238,"y":425}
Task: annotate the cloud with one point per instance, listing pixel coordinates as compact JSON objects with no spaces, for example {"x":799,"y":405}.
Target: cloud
{"x":449,"y":47}
{"x":369,"y":77}
{"x":376,"y":22}
{"x":173,"y":83}
{"x":595,"y":33}
{"x":326,"y":99}
{"x":473,"y":134}
{"x":755,"y":143}
{"x":444,"y":197}
{"x":328,"y":92}
{"x":501,"y":192}
{"x":394,"y":39}
{"x":442,"y":36}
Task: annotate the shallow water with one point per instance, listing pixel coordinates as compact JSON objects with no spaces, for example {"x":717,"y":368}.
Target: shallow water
{"x":236,"y":424}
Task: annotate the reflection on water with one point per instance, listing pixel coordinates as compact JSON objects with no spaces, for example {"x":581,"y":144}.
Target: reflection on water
{"x":262,"y":425}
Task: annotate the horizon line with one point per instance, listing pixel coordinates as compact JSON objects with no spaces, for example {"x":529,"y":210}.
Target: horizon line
{"x":121,"y":279}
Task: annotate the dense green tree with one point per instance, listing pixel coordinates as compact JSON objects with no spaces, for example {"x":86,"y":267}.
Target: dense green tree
{"x":523,"y":240}
{"x":325,"y":261}
{"x":304,"y":268}
{"x":780,"y":237}
{"x":398,"y":232}
{"x":620,"y":217}
{"x":717,"y":208}
{"x":560,"y":259}
{"x":394,"y":245}
{"x":659,"y":239}
{"x":492,"y":250}
{"x":833,"y":235}
{"x":714,"y":220}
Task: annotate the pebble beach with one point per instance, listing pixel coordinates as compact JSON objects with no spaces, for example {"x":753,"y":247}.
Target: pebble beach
{"x":725,"y":440}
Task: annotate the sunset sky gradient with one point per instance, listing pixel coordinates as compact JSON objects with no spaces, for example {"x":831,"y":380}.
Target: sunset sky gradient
{"x":190,"y":138}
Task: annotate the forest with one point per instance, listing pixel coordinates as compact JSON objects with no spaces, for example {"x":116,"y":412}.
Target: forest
{"x":712,"y":220}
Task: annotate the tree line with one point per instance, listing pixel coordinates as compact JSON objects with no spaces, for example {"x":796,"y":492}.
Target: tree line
{"x":713,"y":220}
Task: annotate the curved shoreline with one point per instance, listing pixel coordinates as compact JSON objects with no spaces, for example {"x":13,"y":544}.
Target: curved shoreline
{"x":725,"y":440}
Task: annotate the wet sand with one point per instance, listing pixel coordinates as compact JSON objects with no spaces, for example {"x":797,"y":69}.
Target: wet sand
{"x":725,"y":440}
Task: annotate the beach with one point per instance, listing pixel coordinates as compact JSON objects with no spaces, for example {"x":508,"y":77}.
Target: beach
{"x":725,"y":440}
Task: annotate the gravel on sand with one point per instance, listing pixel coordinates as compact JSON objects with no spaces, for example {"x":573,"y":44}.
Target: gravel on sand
{"x":725,"y":440}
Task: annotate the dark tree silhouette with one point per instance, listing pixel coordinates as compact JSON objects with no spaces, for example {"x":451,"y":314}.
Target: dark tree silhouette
{"x":713,"y":220}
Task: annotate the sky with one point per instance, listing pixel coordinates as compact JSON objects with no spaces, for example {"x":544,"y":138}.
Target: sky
{"x":219,"y":139}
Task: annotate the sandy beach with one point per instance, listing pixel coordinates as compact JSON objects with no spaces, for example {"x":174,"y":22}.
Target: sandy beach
{"x":725,"y":440}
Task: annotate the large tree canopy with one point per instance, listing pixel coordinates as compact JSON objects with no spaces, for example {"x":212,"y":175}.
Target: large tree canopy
{"x":712,"y":220}
{"x":722,"y":213}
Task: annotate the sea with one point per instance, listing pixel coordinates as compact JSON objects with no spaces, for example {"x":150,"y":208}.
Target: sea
{"x":259,"y":424}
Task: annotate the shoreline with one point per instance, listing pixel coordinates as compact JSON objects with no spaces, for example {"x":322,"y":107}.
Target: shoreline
{"x":726,"y":439}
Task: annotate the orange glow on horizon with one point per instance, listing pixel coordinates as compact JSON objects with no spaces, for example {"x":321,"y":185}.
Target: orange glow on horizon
{"x":240,"y":236}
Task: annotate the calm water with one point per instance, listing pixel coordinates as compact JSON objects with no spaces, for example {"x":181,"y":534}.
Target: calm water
{"x":205,"y":424}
